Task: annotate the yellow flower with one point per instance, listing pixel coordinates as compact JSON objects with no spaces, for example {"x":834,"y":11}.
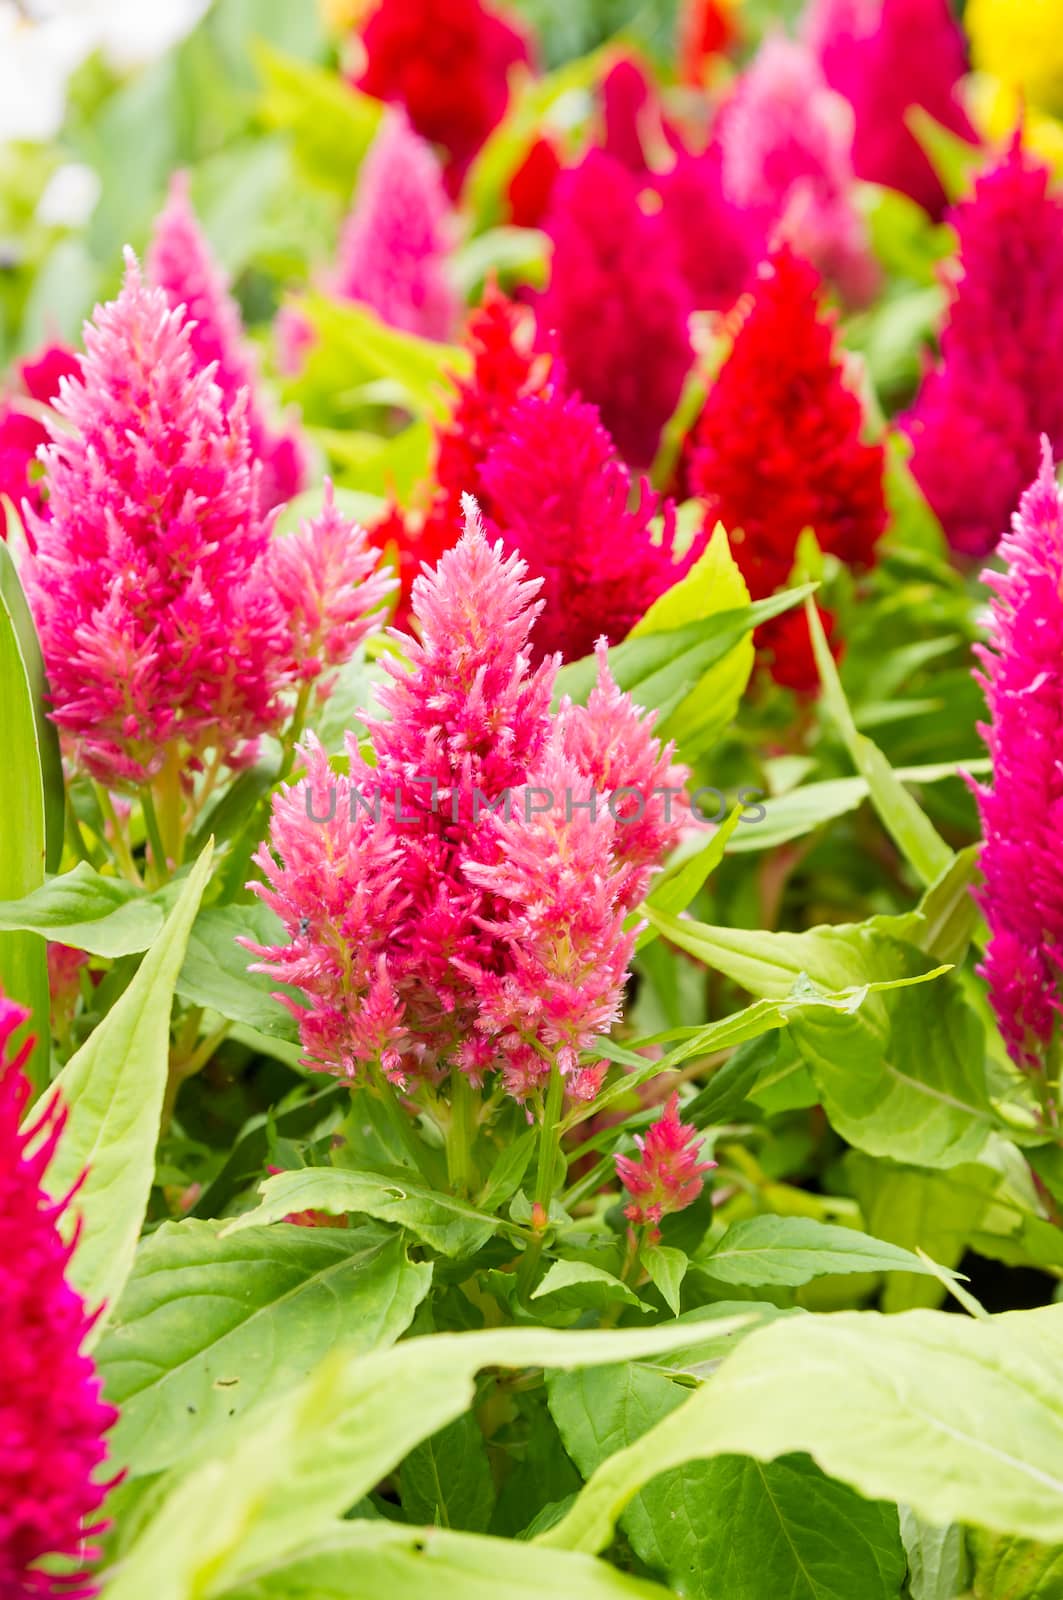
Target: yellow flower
{"x":996,"y":109}
{"x":1021,"y":43}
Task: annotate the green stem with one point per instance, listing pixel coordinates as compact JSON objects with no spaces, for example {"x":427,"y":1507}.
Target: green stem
{"x":294,"y":731}
{"x":461,"y":1132}
{"x":400,"y":1122}
{"x":171,"y":806}
{"x":151,"y":823}
{"x":119,"y":843}
{"x":549,"y":1142}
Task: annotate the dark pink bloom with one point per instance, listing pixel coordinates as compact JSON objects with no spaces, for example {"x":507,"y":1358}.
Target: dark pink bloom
{"x":886,"y":56}
{"x":1022,"y":813}
{"x":719,"y":242}
{"x":180,"y":262}
{"x":554,"y":489}
{"x":666,"y":1176}
{"x":52,"y":1420}
{"x":977,"y":420}
{"x":394,"y":244}
{"x":617,"y":303}
{"x":22,"y":433}
{"x":635,"y":132}
{"x":41,"y":374}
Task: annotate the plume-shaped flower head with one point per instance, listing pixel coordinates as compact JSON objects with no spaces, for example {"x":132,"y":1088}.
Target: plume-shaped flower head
{"x":666,"y":1175}
{"x":1022,"y":813}
{"x":52,"y":1420}
{"x":180,"y":263}
{"x":394,"y":243}
{"x":977,"y":420}
{"x":617,"y":302}
{"x":150,"y":581}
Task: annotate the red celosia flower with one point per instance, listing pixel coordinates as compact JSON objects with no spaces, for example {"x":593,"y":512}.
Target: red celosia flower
{"x":394,"y":244}
{"x":531,"y":187}
{"x":666,"y":1176}
{"x":618,"y":303}
{"x":886,"y":56}
{"x":180,"y":262}
{"x":52,"y":1420}
{"x":151,"y":586}
{"x":976,"y":423}
{"x":707,"y":28}
{"x":1022,"y":813}
{"x":448,"y":63}
{"x":777,"y":448}
{"x":23,"y":434}
{"x":555,"y":491}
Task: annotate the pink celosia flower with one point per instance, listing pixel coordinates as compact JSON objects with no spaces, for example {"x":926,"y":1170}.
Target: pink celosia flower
{"x":666,"y":1176}
{"x":554,"y":489}
{"x":179,"y":262}
{"x":977,"y":420}
{"x":786,"y":142}
{"x":52,"y":1420}
{"x":327,"y":579}
{"x":394,"y":244}
{"x":450,"y":910}
{"x":151,"y":584}
{"x":1023,"y":811}
{"x":886,"y":56}
{"x":617,"y":302}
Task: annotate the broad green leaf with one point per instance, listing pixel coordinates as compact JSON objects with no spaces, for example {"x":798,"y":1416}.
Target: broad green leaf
{"x":105,"y":916}
{"x":960,"y":1419}
{"x":677,"y":885}
{"x":792,"y":1250}
{"x":37,"y":681}
{"x":1014,"y":1569}
{"x":910,"y":828}
{"x":935,"y":1211}
{"x":380,"y":467}
{"x":332,"y":124}
{"x":207,"y":1327}
{"x":446,"y":1480}
{"x":714,"y":584}
{"x":731,"y":1527}
{"x":216,"y":972}
{"x":382,"y":1561}
{"x":949,"y":908}
{"x":576,"y":1286}
{"x":519,"y":254}
{"x":937,"y":1558}
{"x":667,"y":1268}
{"x":353,"y":344}
{"x":246,"y":1162}
{"x":113,"y":1090}
{"x":303,"y":1460}
{"x":23,"y":969}
{"x":440,"y":1220}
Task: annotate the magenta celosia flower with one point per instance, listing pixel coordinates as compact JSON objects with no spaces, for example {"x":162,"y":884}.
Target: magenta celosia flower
{"x":977,"y":420}
{"x":1022,"y":812}
{"x":179,"y":261}
{"x":556,"y":492}
{"x":617,"y":302}
{"x":394,"y":245}
{"x":719,"y":242}
{"x":52,"y":1420}
{"x":635,"y":132}
{"x":151,"y":583}
{"x":328,"y":581}
{"x":666,"y":1176}
{"x":786,"y":143}
{"x":886,"y":56}
{"x":455,"y":906}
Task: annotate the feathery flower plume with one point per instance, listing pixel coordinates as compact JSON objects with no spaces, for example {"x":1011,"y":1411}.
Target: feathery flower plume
{"x":151,"y":585}
{"x":719,"y":243}
{"x":180,"y":263}
{"x":327,"y":579}
{"x":886,"y":56}
{"x":394,"y":243}
{"x":1022,"y":813}
{"x":786,"y":144}
{"x":635,"y":132}
{"x":52,"y":1420}
{"x":448,"y":63}
{"x":531,"y":187}
{"x":555,"y":491}
{"x":617,"y":302}
{"x":778,"y":446}
{"x":977,"y":420}
{"x":455,"y":910}
{"x":666,"y":1175}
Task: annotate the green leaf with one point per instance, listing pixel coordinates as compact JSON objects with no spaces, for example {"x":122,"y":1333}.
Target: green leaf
{"x":23,"y":969}
{"x":793,"y":1250}
{"x":937,"y":1559}
{"x":446,"y":1480}
{"x":518,"y":254}
{"x":675,"y":888}
{"x":984,"y":1400}
{"x":304,"y":1460}
{"x":439,"y":1220}
{"x":936,"y":1211}
{"x":731,"y":1527}
{"x":380,"y":467}
{"x":105,"y":916}
{"x":909,"y":827}
{"x":207,"y":1326}
{"x":379,"y":1561}
{"x":954,"y":160}
{"x":331,"y":123}
{"x":667,"y":1268}
{"x":37,"y":682}
{"x":353,"y":344}
{"x":577,"y":1286}
{"x":113,"y":1091}
{"x":215,"y":971}
{"x":1014,"y":1569}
